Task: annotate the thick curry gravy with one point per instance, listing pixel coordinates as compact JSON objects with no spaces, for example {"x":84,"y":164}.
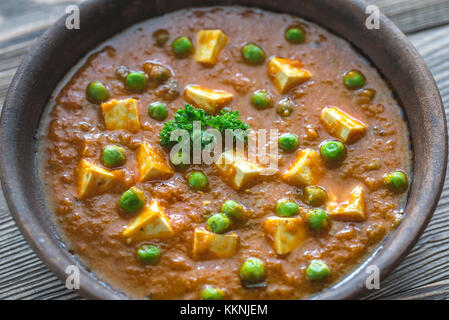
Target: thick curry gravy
{"x":74,"y":129}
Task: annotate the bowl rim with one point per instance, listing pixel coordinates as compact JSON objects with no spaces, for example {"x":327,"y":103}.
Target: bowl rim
{"x":387,"y":256}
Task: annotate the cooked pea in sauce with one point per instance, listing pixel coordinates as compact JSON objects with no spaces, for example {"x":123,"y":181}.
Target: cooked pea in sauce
{"x":157,"y":229}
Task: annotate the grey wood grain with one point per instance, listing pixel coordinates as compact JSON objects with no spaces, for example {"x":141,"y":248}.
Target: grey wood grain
{"x":414,"y":15}
{"x":424,"y":274}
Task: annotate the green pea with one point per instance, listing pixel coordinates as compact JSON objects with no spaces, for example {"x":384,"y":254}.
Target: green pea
{"x":396,"y":181}
{"x":295,"y":35}
{"x":182,"y":46}
{"x":332,"y":151}
{"x":253,"y":54}
{"x":288,"y":141}
{"x":132,"y":200}
{"x":212,"y":293}
{"x":136,"y":81}
{"x":148,"y":253}
{"x":317,"y":270}
{"x":197,"y":180}
{"x":262,"y":99}
{"x":218,"y":223}
{"x":233,"y":209}
{"x":159,"y":74}
{"x":160,"y":37}
{"x":285,"y":107}
{"x":314,"y":196}
{"x":158,"y":111}
{"x":318,"y":219}
{"x":113,"y":156}
{"x":252,"y":270}
{"x":354,"y":79}
{"x":286,"y":208}
{"x":97,"y":92}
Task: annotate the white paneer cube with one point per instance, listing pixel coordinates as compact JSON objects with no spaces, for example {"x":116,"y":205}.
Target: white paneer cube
{"x":209,"y":43}
{"x":287,"y":73}
{"x":211,"y":245}
{"x":94,"y":180}
{"x":121,"y":114}
{"x":342,"y":125}
{"x":285,"y":234}
{"x":151,"y":223}
{"x":152,"y":164}
{"x":351,"y":210}
{"x":238,"y":171}
{"x":211,"y":100}
{"x":306,"y":170}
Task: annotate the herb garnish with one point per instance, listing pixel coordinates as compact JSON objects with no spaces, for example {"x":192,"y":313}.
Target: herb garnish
{"x":184,"y":119}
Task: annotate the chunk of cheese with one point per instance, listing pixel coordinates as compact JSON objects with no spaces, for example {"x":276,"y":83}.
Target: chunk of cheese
{"x":211,"y":245}
{"x":351,"y":210}
{"x":306,"y":170}
{"x":151,"y":223}
{"x":209,"y":43}
{"x":287,"y":73}
{"x":94,"y":180}
{"x":238,"y":171}
{"x":152,"y":164}
{"x":211,"y":100}
{"x":121,"y":114}
{"x":342,"y":125}
{"x":285,"y":234}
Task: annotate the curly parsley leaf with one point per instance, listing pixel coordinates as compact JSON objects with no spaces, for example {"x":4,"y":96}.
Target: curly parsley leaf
{"x":184,"y":119}
{"x":227,"y":120}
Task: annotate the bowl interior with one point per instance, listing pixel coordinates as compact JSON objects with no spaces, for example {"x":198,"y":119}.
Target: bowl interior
{"x":60,"y":48}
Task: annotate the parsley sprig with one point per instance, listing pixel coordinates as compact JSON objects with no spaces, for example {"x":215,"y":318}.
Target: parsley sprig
{"x":184,"y":119}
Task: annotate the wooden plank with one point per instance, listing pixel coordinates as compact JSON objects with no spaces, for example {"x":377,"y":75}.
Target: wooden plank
{"x":19,"y":18}
{"x":424,"y":274}
{"x":22,"y":274}
{"x":414,"y":15}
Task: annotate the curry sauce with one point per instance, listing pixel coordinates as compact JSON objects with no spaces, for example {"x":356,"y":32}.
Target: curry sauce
{"x":309,"y":71}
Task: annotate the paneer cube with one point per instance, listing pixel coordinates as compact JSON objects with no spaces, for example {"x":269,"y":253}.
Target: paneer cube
{"x":285,"y":234}
{"x":211,"y":245}
{"x":208,"y":45}
{"x":306,"y":170}
{"x":151,"y":223}
{"x":342,"y":125}
{"x":152,"y":164}
{"x":211,"y":100}
{"x":351,"y":210}
{"x":121,"y":114}
{"x":287,"y":73}
{"x":94,"y":180}
{"x":238,"y":171}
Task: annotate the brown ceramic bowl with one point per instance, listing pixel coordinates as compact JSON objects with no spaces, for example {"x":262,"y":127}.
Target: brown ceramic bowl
{"x":59,"y":49}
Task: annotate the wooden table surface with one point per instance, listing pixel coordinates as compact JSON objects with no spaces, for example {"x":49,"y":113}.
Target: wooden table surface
{"x":424,"y":274}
